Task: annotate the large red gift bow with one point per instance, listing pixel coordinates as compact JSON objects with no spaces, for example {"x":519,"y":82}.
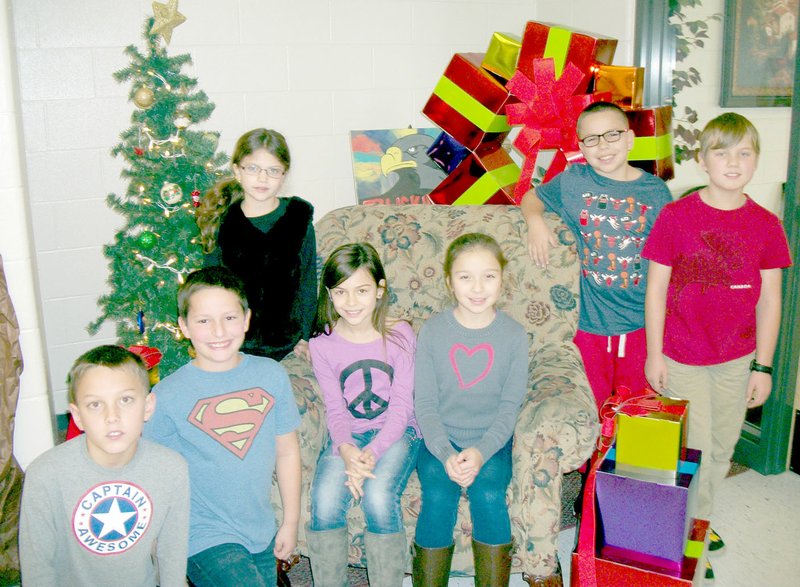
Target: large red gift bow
{"x":627,"y":403}
{"x":548,"y":110}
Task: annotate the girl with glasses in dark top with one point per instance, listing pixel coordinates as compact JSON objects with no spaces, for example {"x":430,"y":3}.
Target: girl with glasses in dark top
{"x":268,"y":241}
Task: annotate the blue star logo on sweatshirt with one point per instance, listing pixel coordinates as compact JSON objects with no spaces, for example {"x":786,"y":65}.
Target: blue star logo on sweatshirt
{"x":111,"y":517}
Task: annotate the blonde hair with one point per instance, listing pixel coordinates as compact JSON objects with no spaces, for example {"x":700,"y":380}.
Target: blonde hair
{"x":728,"y":130}
{"x":222,"y":195}
{"x":111,"y":356}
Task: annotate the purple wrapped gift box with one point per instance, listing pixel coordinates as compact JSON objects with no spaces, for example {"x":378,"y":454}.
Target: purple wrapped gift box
{"x":447,"y":152}
{"x":648,"y":516}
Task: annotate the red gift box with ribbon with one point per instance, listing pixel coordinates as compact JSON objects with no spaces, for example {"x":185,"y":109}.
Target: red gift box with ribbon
{"x":483,"y":177}
{"x":469,"y":103}
{"x":652,"y":148}
{"x":583,"y":50}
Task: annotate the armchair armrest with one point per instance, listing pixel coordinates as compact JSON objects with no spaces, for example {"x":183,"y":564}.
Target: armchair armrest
{"x":555,"y":433}
{"x":312,"y":434}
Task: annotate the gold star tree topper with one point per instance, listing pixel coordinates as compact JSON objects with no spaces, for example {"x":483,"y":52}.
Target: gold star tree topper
{"x":167,"y":18}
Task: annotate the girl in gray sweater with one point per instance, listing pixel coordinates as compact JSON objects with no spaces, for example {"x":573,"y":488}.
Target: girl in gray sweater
{"x":470,"y":378}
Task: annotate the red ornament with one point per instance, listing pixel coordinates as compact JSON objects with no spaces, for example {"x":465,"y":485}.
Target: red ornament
{"x":139,"y":151}
{"x":196,"y":198}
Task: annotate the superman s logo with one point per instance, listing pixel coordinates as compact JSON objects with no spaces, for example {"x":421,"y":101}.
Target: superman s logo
{"x":233,"y":419}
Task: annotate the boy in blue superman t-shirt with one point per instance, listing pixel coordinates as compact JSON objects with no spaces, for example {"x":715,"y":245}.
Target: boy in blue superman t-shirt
{"x":233,"y":417}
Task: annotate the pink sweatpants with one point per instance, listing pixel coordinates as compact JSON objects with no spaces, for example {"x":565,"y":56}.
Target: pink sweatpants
{"x":613,"y":361}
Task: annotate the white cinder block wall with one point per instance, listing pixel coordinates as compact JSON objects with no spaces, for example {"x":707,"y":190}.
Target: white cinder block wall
{"x":314,"y":69}
{"x":33,"y":433}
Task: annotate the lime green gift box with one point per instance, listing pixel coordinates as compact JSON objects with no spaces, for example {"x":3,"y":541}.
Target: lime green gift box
{"x":652,"y":440}
{"x":652,"y":146}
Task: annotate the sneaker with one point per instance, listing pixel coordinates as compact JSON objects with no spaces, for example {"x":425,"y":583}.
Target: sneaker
{"x":709,"y":573}
{"x":715,"y":543}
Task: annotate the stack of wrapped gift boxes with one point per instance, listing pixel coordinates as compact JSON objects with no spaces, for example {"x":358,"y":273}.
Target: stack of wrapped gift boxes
{"x":645,"y":489}
{"x":539,"y":82}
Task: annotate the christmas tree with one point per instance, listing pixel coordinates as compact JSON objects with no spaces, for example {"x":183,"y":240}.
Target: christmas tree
{"x":168,"y":166}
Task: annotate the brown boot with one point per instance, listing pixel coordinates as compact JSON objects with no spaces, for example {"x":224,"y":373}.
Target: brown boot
{"x":431,"y":566}
{"x":492,"y":564}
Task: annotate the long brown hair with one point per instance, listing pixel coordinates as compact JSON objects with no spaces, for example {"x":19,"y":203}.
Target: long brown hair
{"x":341,"y":264}
{"x":223,"y":194}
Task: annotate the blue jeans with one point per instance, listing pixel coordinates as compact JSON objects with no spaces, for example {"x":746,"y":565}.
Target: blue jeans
{"x":487,"y":501}
{"x":232,"y":565}
{"x":331,"y":499}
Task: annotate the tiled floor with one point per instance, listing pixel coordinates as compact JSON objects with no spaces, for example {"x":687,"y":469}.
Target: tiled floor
{"x":759,"y":518}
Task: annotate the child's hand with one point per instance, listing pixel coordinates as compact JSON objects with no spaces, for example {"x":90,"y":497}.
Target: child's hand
{"x":285,"y":541}
{"x":367,"y":459}
{"x":540,"y":240}
{"x":301,"y":350}
{"x":356,"y":464}
{"x":759,"y":387}
{"x":355,"y":468}
{"x":454,"y":467}
{"x":356,"y":487}
{"x":655,"y":370}
{"x":471,"y":460}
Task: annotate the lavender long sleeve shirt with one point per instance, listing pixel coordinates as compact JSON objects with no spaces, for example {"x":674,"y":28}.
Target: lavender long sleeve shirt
{"x":367,"y":386}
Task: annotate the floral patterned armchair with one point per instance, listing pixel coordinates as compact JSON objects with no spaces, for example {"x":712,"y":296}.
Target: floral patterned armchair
{"x":557,"y":426}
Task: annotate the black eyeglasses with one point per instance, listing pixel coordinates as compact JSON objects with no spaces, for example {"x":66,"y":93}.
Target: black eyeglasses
{"x":611,"y":136}
{"x":255,"y":170}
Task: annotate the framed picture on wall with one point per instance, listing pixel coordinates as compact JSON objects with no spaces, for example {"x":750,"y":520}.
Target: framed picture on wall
{"x":392,"y":166}
{"x":759,"y":51}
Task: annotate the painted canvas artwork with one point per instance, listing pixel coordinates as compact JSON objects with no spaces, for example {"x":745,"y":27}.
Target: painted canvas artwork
{"x":392,"y":166}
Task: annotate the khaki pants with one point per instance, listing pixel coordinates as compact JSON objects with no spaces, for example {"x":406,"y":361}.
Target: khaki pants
{"x":717,"y":397}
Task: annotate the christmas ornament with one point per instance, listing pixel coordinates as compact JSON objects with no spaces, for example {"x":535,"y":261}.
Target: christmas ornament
{"x":182,"y":119}
{"x":171,"y":193}
{"x":143,"y":97}
{"x":167,"y":18}
{"x":146,"y":240}
{"x":140,"y":321}
{"x":196,"y":198}
{"x":139,"y":151}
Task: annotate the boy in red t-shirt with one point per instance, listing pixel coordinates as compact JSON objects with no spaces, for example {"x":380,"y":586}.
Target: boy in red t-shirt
{"x":713,"y":302}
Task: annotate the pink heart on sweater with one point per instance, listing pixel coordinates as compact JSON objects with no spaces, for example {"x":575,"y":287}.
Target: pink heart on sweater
{"x":470,"y":353}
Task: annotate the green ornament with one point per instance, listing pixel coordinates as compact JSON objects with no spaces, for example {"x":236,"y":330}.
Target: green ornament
{"x":147,"y":240}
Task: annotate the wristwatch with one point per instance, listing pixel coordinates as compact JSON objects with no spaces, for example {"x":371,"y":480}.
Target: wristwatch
{"x":756,"y":366}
